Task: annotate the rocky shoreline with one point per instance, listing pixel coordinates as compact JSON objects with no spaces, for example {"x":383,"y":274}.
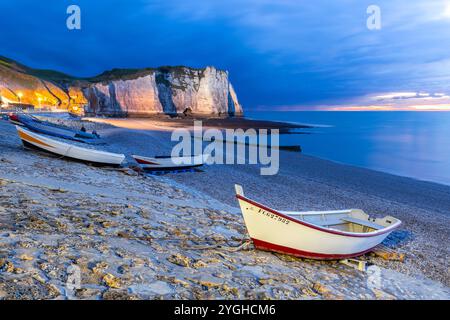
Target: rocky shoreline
{"x":133,"y":236}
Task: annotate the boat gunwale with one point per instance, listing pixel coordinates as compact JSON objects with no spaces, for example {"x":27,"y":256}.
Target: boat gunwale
{"x":316,"y":227}
{"x":150,"y":161}
{"x":161,"y":168}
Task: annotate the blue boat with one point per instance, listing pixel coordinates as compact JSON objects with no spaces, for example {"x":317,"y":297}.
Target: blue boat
{"x":52,"y":129}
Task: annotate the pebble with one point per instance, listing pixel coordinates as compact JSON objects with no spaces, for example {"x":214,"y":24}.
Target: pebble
{"x":111,"y":281}
{"x":126,"y":245}
{"x":154,"y":288}
{"x":26,"y":257}
{"x":180,"y":260}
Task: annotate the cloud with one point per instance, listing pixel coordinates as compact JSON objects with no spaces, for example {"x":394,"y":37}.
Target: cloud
{"x":278,"y":52}
{"x":327,"y":46}
{"x":419,"y":96}
{"x":385,"y":101}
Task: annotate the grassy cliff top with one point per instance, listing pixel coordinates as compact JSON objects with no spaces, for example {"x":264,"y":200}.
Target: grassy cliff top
{"x":110,"y":75}
{"x":50,"y":75}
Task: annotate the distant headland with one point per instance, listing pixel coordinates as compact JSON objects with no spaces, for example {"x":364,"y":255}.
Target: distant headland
{"x":171,"y":90}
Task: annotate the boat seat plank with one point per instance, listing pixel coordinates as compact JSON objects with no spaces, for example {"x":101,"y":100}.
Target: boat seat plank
{"x":307,"y":213}
{"x":329,"y":222}
{"x":365,"y":223}
{"x":317,"y":220}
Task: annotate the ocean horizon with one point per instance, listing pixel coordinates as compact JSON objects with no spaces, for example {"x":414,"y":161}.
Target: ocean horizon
{"x":407,"y":143}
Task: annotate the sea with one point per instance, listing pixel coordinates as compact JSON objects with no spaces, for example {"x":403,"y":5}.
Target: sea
{"x":410,"y":144}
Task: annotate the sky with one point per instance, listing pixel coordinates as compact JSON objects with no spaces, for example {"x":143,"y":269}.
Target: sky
{"x":280,"y":54}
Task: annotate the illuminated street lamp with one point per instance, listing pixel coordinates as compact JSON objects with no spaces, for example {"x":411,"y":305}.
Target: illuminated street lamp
{"x":20,"y":95}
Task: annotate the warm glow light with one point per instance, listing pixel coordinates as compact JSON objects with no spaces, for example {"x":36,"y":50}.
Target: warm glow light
{"x":432,"y":107}
{"x":438,"y":107}
{"x":20,"y":94}
{"x":361,"y":108}
{"x":3,"y":102}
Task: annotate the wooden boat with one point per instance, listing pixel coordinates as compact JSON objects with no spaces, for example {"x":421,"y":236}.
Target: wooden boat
{"x":37,"y":141}
{"x":78,"y":133}
{"x":50,"y":128}
{"x":14,"y":119}
{"x":171,"y":163}
{"x":314,"y":234}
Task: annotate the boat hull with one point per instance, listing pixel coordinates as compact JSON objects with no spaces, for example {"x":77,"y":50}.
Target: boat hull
{"x":167,"y":163}
{"x":273,"y":231}
{"x":168,"y":168}
{"x":51,"y":129}
{"x":67,"y":150}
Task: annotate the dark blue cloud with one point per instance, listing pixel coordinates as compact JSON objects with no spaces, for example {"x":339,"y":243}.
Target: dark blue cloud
{"x":288,"y":52}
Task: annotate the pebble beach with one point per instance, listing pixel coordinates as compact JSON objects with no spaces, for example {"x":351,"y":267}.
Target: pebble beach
{"x":132,"y":235}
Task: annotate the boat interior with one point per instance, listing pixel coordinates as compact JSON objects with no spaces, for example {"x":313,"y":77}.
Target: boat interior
{"x":353,"y":220}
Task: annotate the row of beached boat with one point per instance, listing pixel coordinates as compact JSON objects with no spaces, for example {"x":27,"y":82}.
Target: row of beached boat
{"x":35,"y":133}
{"x":310,"y":234}
{"x":53,"y":129}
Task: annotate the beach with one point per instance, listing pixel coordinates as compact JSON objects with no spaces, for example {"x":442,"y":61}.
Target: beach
{"x":182,"y":236}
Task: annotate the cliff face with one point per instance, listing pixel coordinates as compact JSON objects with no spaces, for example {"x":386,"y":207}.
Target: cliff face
{"x":165,"y":90}
{"x":119,"y":92}
{"x":20,"y":84}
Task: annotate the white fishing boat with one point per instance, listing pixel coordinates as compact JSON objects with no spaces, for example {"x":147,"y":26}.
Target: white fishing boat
{"x":336,"y":234}
{"x":34,"y":140}
{"x":171,"y":163}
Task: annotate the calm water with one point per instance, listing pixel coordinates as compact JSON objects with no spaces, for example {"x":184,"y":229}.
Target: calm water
{"x":412,"y":144}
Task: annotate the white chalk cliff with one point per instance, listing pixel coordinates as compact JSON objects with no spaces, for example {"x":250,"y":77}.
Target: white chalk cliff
{"x":123,"y":92}
{"x":165,"y":90}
